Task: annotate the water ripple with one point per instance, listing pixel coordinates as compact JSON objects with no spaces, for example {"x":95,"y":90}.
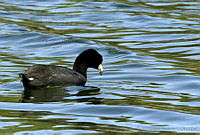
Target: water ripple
{"x":151,"y":62}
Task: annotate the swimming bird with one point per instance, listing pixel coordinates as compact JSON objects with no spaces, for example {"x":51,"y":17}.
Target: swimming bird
{"x":40,"y":75}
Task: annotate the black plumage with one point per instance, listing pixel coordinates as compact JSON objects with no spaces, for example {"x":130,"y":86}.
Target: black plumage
{"x":50,"y":75}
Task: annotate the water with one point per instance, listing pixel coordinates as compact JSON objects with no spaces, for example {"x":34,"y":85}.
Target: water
{"x":151,"y":60}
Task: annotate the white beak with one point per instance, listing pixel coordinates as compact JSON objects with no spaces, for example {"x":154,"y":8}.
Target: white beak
{"x":100,"y":69}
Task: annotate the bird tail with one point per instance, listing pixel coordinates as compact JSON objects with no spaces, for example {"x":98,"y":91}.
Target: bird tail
{"x":24,"y":80}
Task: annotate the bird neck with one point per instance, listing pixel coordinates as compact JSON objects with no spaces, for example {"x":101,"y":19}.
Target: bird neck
{"x":80,"y":68}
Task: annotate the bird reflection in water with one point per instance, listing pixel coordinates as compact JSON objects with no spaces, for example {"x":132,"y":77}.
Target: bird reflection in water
{"x":62,"y":94}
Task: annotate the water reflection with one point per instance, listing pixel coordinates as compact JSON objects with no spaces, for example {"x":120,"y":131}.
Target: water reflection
{"x":60,"y":94}
{"x":151,"y":51}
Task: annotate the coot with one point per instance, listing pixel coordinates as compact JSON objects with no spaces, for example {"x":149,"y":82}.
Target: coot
{"x":50,"y":75}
